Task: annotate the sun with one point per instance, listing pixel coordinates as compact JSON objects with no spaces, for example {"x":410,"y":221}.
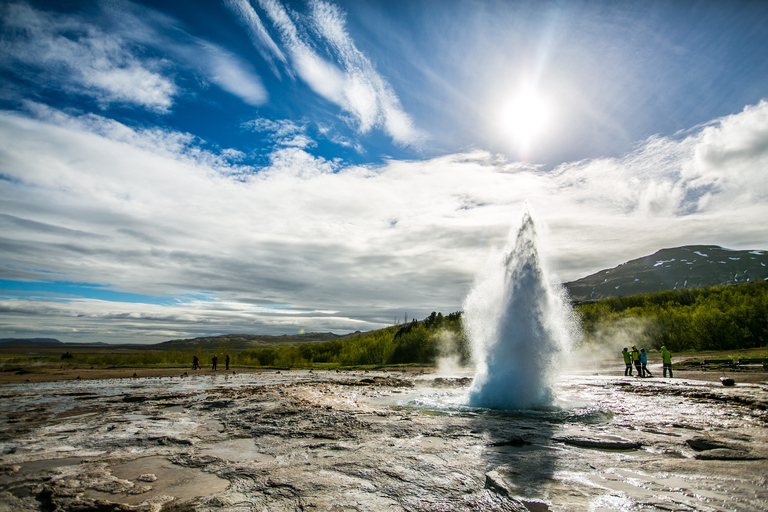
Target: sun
{"x":524,"y":117}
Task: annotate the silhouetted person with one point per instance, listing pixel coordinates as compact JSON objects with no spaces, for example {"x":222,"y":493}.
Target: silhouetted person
{"x":644,"y":363}
{"x":195,"y":363}
{"x":627,"y":362}
{"x":215,"y":362}
{"x":666,"y":359}
{"x":226,"y":360}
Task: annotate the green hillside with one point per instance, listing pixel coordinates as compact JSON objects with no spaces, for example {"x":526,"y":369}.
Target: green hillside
{"x":692,"y":266}
{"x":715,"y":318}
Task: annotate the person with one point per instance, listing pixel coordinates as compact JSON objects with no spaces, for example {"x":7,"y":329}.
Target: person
{"x":226,"y":360}
{"x":666,"y":360}
{"x":195,"y":363}
{"x":644,"y":363}
{"x":215,"y":361}
{"x":627,"y":362}
{"x":636,"y":360}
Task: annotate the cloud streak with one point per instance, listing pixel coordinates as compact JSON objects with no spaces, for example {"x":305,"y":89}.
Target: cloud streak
{"x":349,"y":81}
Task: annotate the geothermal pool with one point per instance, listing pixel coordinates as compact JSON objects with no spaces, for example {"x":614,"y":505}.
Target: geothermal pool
{"x":359,"y":441}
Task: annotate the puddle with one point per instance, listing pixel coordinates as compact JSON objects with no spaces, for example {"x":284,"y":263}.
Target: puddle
{"x":180,"y":482}
{"x":236,"y":450}
{"x":47,"y":464}
{"x":430,"y":442}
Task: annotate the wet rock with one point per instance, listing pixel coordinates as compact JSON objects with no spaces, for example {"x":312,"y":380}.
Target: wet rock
{"x":727,"y":454}
{"x":494,"y":480}
{"x":485,"y":501}
{"x":442,"y":382}
{"x":139,"y":489}
{"x":218,"y":404}
{"x":134,"y":399}
{"x":600,"y":444}
{"x":703,"y":443}
{"x":147,"y":477}
{"x":516,"y":442}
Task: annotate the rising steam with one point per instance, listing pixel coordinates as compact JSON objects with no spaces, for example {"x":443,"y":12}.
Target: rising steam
{"x":519,"y":326}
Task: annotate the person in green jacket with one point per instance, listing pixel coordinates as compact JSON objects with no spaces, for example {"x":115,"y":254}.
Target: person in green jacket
{"x":627,"y":362}
{"x":636,"y":359}
{"x":666,"y":358}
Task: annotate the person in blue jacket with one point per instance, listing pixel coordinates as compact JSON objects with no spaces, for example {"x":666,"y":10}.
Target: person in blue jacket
{"x":644,"y":363}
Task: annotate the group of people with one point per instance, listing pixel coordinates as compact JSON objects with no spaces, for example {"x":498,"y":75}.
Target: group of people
{"x":640,"y":359}
{"x":214,"y":362}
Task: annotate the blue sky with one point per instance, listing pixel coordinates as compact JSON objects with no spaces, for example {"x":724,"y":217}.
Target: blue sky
{"x":178,"y":169}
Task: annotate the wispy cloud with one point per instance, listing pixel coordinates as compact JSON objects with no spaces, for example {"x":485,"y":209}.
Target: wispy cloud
{"x":226,"y":70}
{"x":66,"y":52}
{"x":282,"y":132}
{"x":367,"y":242}
{"x":125,"y":65}
{"x":349,"y":80}
{"x":267,"y":47}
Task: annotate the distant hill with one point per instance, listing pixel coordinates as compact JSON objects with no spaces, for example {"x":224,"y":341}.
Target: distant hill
{"x":691,"y":266}
{"x":29,"y":340}
{"x":237,"y":342}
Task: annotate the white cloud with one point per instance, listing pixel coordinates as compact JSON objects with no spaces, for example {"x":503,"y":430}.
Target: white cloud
{"x":109,"y":61}
{"x":228,"y":72}
{"x":157,"y":212}
{"x":351,"y":82}
{"x":283,"y":132}
{"x":68,"y":53}
{"x":368,"y":94}
{"x":257,"y":32}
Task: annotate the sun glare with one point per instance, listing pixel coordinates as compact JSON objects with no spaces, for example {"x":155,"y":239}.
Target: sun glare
{"x":525,"y":117}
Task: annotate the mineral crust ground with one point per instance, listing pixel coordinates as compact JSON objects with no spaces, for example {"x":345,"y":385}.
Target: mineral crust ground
{"x":381,"y":441}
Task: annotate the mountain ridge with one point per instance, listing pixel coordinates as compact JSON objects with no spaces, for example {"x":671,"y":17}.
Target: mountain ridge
{"x":689,"y":266}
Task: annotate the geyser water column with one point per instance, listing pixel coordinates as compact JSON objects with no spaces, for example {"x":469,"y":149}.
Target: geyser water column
{"x":519,"y":326}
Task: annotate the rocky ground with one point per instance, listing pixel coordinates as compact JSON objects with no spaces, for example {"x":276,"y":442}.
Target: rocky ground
{"x":357,"y":441}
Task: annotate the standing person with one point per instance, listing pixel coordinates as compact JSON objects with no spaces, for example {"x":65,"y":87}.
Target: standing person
{"x":636,"y":360}
{"x":644,"y":363}
{"x":195,"y":363}
{"x":666,"y":359}
{"x":627,"y":362}
{"x":214,"y":361}
{"x":226,"y":360}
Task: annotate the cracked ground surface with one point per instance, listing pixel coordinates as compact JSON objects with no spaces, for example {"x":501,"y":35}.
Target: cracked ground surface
{"x":379,"y":441}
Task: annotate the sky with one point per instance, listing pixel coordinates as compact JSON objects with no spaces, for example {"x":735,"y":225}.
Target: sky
{"x":179,"y":169}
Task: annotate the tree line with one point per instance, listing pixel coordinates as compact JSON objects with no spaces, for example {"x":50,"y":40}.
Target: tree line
{"x":417,"y":342}
{"x":717,"y":318}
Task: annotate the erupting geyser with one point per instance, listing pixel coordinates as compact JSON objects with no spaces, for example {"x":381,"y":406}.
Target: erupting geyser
{"x":520,"y":327}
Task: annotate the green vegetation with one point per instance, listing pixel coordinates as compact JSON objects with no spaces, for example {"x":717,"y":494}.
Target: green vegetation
{"x":413,"y":343}
{"x":719,"y":318}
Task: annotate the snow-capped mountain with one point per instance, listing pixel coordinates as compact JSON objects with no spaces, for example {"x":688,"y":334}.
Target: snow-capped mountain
{"x":691,"y":266}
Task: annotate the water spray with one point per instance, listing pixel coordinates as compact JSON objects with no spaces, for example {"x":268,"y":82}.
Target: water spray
{"x":520,"y":327}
